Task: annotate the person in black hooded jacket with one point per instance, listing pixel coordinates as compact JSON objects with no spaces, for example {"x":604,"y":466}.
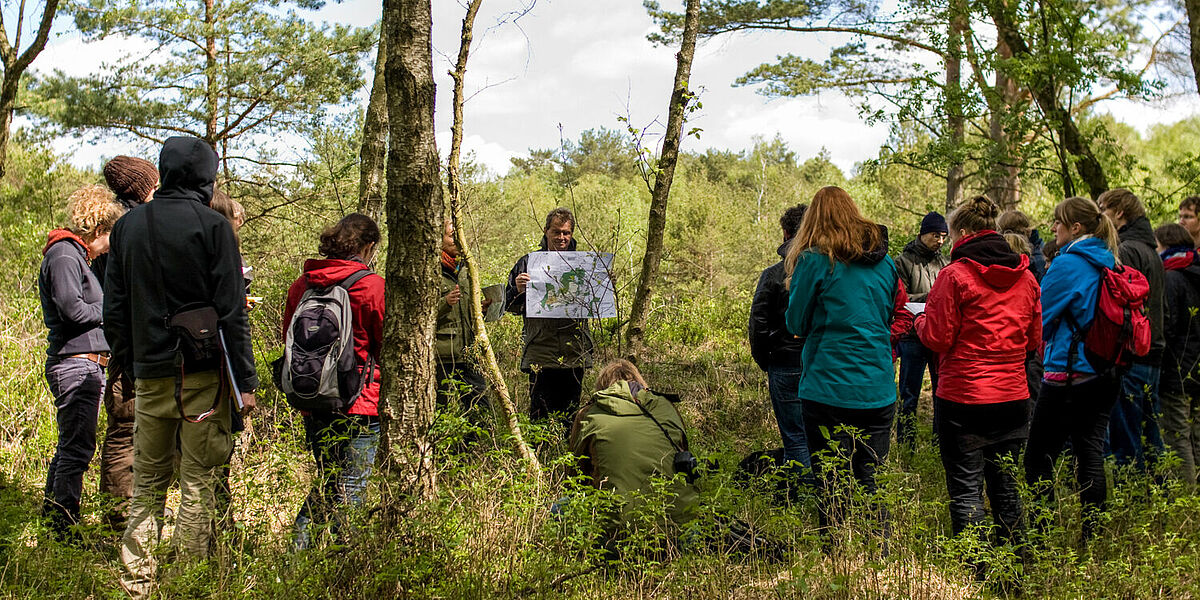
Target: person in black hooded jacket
{"x":168,"y":255}
{"x":775,"y":350}
{"x":1181,"y":362}
{"x":1133,"y":425}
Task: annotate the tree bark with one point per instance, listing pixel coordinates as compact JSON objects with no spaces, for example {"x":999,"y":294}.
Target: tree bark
{"x":1193,"y":13}
{"x":373,"y":155}
{"x":657,"y":221}
{"x":15,"y":66}
{"x":1004,"y":180}
{"x":954,"y":103}
{"x":211,"y":91}
{"x":483,"y":346}
{"x":1045,"y":94}
{"x":414,"y":216}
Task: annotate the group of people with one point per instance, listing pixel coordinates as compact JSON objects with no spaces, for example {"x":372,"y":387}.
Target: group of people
{"x":1001,"y":324}
{"x":147,"y":280}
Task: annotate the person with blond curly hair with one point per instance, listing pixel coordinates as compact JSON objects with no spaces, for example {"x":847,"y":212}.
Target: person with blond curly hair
{"x":77,"y":354}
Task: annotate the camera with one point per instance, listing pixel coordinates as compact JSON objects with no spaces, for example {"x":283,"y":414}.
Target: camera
{"x":686,"y":463}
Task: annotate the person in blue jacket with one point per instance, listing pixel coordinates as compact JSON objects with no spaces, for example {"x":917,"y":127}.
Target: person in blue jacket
{"x":1075,"y":401}
{"x":847,"y":303}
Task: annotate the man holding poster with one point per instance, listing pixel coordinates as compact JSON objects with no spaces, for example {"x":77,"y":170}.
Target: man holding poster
{"x":556,"y":349}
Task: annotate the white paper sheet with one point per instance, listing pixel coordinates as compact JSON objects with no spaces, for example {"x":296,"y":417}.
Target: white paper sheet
{"x":573,"y":285}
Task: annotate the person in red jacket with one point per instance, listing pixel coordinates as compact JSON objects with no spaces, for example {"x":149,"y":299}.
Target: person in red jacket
{"x":343,"y":445}
{"x":982,"y":318}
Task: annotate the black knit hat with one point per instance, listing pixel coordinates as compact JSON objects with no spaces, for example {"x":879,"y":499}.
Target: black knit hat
{"x":131,"y":179}
{"x":934,"y":223}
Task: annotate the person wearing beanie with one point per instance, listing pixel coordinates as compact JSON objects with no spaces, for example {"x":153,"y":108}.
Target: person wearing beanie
{"x":918,"y":265}
{"x":133,"y":180}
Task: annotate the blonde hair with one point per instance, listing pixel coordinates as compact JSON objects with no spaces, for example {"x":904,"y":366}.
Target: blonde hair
{"x":92,"y":210}
{"x":1018,"y":243}
{"x":975,"y":215}
{"x":1016,"y":222}
{"x":1088,"y":214}
{"x":619,"y":370}
{"x":834,"y":227}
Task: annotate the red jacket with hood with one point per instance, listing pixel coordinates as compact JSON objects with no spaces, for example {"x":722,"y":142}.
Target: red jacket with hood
{"x":366,"y":303}
{"x":982,"y":316}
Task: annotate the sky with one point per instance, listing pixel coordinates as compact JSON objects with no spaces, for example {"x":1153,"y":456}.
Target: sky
{"x":571,"y":65}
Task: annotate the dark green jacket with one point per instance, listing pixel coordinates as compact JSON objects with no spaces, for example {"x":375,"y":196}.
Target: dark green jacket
{"x":549,"y":343}
{"x":455,"y":331}
{"x":623,"y":448}
{"x":918,"y":267}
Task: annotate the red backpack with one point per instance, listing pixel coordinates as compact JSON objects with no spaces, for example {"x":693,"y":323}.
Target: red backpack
{"x":1120,"y":330}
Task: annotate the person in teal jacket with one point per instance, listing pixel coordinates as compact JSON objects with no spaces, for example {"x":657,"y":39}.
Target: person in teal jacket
{"x":847,"y":302}
{"x":1074,"y":402}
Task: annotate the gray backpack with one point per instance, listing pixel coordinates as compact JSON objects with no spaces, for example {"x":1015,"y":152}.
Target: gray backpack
{"x":318,"y":371}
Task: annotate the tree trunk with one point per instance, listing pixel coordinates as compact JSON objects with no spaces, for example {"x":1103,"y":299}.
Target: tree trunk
{"x":1046,"y":95}
{"x":483,"y":346}
{"x":373,"y":155}
{"x":15,"y":66}
{"x":1004,"y":180}
{"x":657,"y":221}
{"x":1193,"y":13}
{"x":954,"y":103}
{"x":414,"y":216}
{"x":211,"y":92}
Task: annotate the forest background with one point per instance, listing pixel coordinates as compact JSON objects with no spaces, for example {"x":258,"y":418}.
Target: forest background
{"x":966,"y":115}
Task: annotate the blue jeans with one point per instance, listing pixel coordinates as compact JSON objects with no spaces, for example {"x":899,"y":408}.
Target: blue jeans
{"x":77,"y":385}
{"x":344,"y":449}
{"x":914,"y":359}
{"x":1133,"y":425}
{"x":784,"y":383}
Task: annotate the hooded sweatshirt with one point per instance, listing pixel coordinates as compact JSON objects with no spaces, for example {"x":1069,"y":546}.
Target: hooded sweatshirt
{"x":1181,"y":360}
{"x":366,"y":305}
{"x":71,"y":298}
{"x":848,"y":315}
{"x":548,"y":343}
{"x":1138,"y":249}
{"x":194,"y":254}
{"x":770,"y":342}
{"x":1070,"y":286}
{"x":982,"y":318}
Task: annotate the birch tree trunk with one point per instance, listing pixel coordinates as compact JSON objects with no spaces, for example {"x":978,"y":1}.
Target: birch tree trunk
{"x":483,"y":347}
{"x":414,"y":215}
{"x":373,"y":155}
{"x":665,"y":173}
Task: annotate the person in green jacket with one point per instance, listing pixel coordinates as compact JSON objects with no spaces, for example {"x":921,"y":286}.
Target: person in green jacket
{"x":457,"y":374}
{"x":847,"y":303}
{"x":627,"y":435}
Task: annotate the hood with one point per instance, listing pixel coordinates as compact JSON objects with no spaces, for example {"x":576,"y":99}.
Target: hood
{"x":59,"y":235}
{"x":545,"y":245}
{"x":990,"y":255}
{"x":874,"y":256}
{"x":324,"y":272}
{"x":1138,"y":230}
{"x":920,"y":249}
{"x":1092,"y":249}
{"x":783,"y":248}
{"x":188,"y":168}
{"x":1178,"y":258}
{"x":617,"y":400}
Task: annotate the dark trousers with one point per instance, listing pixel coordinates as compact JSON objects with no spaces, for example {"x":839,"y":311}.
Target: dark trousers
{"x":461,"y":381}
{"x":783,"y":383}
{"x":1077,"y":413}
{"x":914,"y":359}
{"x":1133,"y":431}
{"x":77,"y":385}
{"x":980,"y":445}
{"x":116,"y":455}
{"x":864,"y":450}
{"x":555,"y":393}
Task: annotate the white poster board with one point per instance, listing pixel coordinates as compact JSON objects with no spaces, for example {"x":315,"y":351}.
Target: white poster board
{"x":573,"y":285}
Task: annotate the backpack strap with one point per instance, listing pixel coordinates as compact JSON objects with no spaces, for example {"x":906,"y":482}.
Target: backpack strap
{"x":354,"y":278}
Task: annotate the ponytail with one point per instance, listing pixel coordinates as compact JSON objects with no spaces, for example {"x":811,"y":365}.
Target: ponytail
{"x":1087,"y":213}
